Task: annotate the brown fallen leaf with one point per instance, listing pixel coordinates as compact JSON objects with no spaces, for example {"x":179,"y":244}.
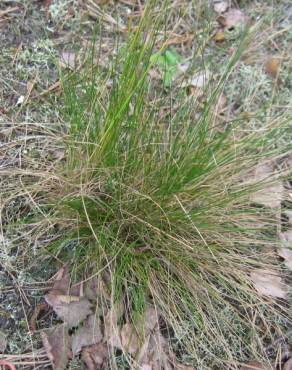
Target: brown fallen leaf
{"x":91,"y":288}
{"x":130,"y":341}
{"x":70,"y":309}
{"x":268,"y":283}
{"x":56,"y":344}
{"x":285,"y":251}
{"x":62,"y":281}
{"x":88,"y":334}
{"x":272,"y":66}
{"x":233,"y":18}
{"x":95,"y":357}
{"x":220,"y":6}
{"x":271,"y":196}
{"x":111,"y":329}
{"x":253,"y":365}
{"x":150,"y":320}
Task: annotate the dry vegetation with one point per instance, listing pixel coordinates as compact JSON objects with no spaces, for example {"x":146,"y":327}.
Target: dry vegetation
{"x":191,"y":264}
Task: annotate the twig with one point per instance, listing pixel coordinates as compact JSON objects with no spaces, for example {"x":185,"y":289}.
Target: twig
{"x":8,"y":10}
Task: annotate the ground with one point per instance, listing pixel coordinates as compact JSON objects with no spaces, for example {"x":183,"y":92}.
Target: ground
{"x":34,"y":36}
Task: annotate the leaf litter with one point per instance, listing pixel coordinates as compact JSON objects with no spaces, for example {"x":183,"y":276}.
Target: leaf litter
{"x":88,"y":334}
{"x":95,"y":338}
{"x":56,"y":342}
{"x":269,"y":283}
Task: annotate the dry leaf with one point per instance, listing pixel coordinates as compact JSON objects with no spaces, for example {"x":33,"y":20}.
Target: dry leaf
{"x":219,"y":36}
{"x":68,"y":60}
{"x":272,"y":66}
{"x":233,"y":18}
{"x":220,"y":6}
{"x":72,"y":310}
{"x":111,"y":330}
{"x":3,"y":342}
{"x":286,"y":250}
{"x":62,"y":281}
{"x":155,"y":352}
{"x":91,"y":288}
{"x":56,"y":344}
{"x":88,"y":334}
{"x":129,"y":339}
{"x":271,"y":195}
{"x":150,"y":320}
{"x":95,"y":356}
{"x":253,"y":365}
{"x":268,"y":283}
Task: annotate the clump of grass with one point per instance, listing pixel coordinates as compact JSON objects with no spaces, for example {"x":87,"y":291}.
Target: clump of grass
{"x":159,"y":203}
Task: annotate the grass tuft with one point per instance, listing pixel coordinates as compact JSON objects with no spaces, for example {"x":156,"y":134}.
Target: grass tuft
{"x":152,"y":192}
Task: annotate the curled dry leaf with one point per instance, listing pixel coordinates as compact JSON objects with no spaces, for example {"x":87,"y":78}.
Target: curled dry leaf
{"x":56,"y":344}
{"x":268,"y":283}
{"x":286,"y":248}
{"x":88,"y":334}
{"x":95,"y":356}
{"x":271,"y":195}
{"x":70,"y":309}
{"x":233,"y":18}
{"x":253,"y":365}
{"x":220,"y":6}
